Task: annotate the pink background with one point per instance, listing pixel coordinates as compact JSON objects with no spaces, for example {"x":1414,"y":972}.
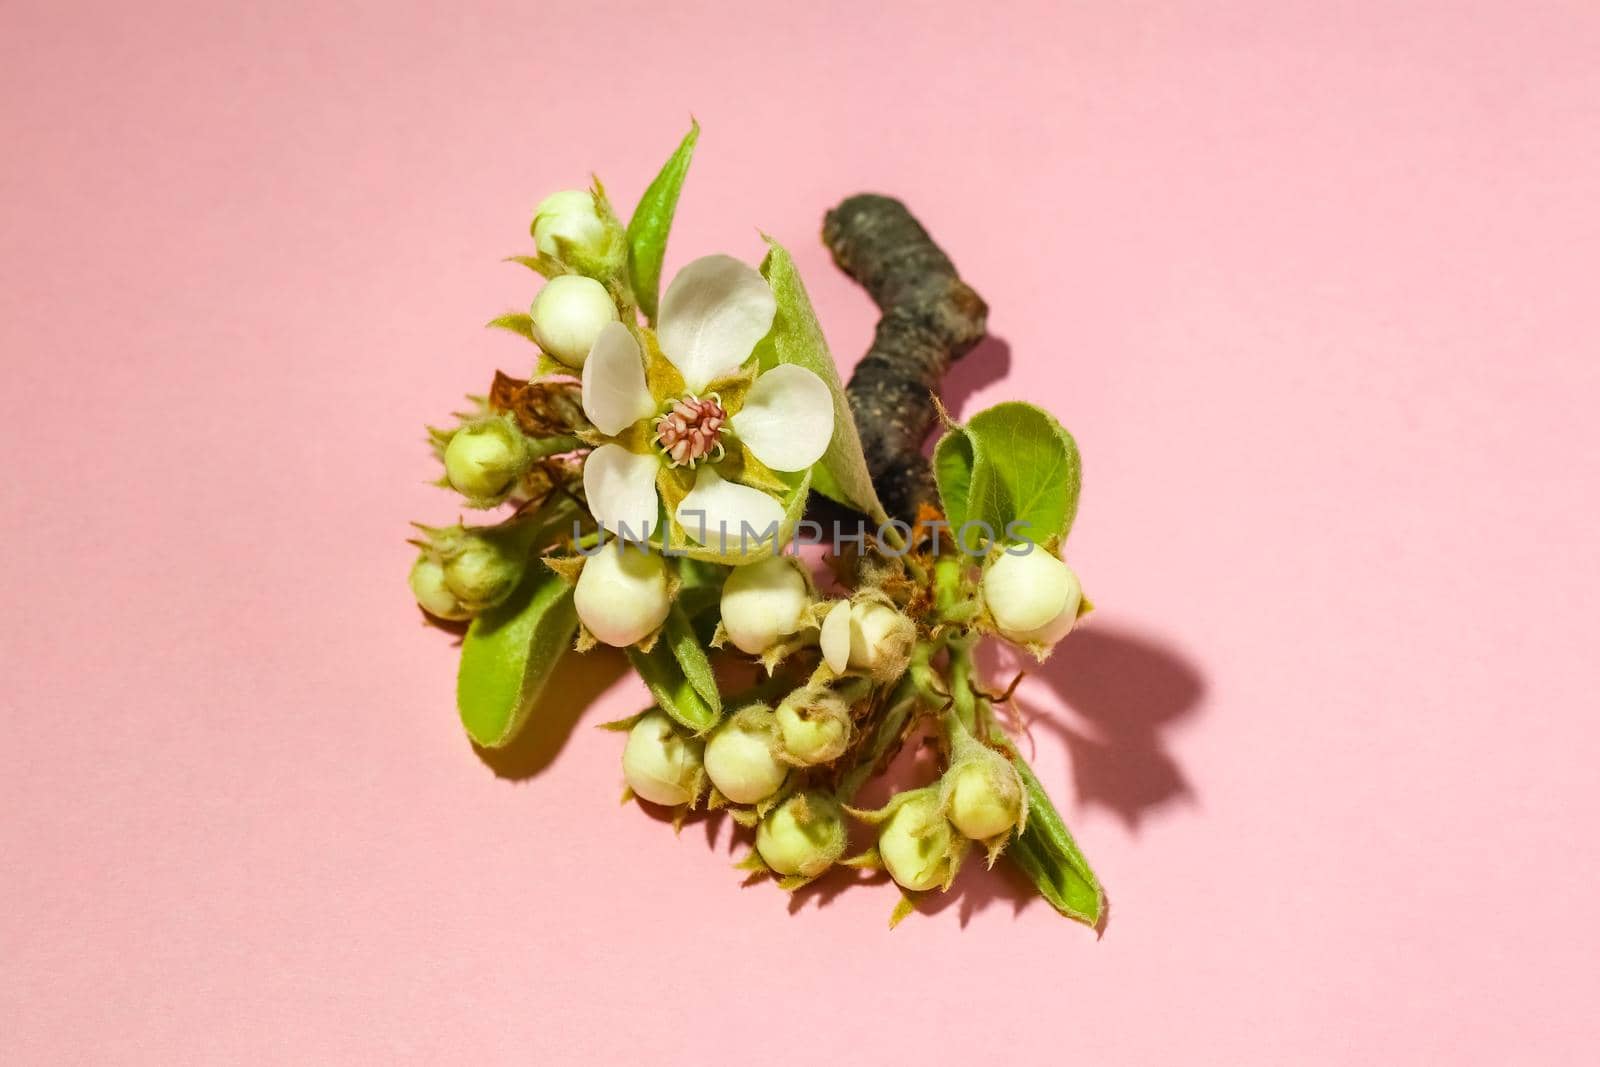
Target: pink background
{"x":1314,"y":285}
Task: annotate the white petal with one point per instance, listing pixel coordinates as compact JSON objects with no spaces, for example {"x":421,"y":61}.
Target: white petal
{"x":714,"y":312}
{"x":728,"y":516}
{"x":787,"y":420}
{"x":614,"y":393}
{"x":835,"y":637}
{"x":621,"y":487}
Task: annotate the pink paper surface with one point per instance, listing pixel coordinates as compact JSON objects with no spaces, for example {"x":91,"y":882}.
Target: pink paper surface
{"x":1313,"y":284}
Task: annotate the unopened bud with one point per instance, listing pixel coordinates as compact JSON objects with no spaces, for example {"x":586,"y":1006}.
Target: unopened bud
{"x":803,"y":836}
{"x":814,"y":725}
{"x":485,"y":458}
{"x":661,"y":764}
{"x":428,"y":586}
{"x":917,"y":844}
{"x":623,"y":594}
{"x":569,"y":216}
{"x":568,"y":314}
{"x":762,"y":602}
{"x":1033,"y":598}
{"x":741,"y":757}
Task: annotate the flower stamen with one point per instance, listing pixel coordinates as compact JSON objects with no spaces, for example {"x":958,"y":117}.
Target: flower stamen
{"x":691,"y":429}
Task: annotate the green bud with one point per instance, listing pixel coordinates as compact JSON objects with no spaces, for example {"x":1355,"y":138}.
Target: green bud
{"x":485,"y":459}
{"x":569,"y":218}
{"x":814,"y":726}
{"x":660,"y":764}
{"x":985,"y":798}
{"x":434,"y":596}
{"x":803,"y":836}
{"x":741,"y":758}
{"x":917,"y":844}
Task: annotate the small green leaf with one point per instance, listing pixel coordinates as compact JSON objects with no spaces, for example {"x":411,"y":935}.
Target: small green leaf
{"x":686,"y":649}
{"x":652,"y":222}
{"x":797,"y":338}
{"x":1047,"y":854}
{"x":522,"y":325}
{"x":664,"y":673}
{"x":508,"y":655}
{"x":1021,"y":470}
{"x":952,"y":469}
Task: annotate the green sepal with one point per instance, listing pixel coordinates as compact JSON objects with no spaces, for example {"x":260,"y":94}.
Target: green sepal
{"x":517,"y":323}
{"x":621,"y":725}
{"x":651,"y":224}
{"x":904,"y":908}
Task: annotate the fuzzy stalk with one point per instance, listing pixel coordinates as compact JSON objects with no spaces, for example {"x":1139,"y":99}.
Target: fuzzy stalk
{"x":930,"y":318}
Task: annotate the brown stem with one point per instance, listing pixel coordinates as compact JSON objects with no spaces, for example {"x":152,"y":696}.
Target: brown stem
{"x":930,"y":318}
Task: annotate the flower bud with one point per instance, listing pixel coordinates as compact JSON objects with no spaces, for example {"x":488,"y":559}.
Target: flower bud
{"x":985,"y":799}
{"x":917,"y":844}
{"x":803,"y":836}
{"x":569,"y":215}
{"x":623,"y":595}
{"x":1032,"y":598}
{"x":741,"y":759}
{"x":568,"y":314}
{"x":660,"y":763}
{"x":428,"y":586}
{"x":762,"y":602}
{"x":814,"y":725}
{"x":485,"y":459}
{"x":482,"y":566}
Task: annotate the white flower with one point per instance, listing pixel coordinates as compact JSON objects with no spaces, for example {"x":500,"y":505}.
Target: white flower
{"x":707,"y":417}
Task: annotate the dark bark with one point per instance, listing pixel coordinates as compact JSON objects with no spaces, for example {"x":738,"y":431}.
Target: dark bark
{"x":930,"y":318}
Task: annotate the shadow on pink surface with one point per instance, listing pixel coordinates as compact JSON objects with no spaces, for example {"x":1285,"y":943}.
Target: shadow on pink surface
{"x":1119,"y":692}
{"x":579,"y":681}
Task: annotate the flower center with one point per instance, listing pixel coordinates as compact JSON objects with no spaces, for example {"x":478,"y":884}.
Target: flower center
{"x":690,"y":430}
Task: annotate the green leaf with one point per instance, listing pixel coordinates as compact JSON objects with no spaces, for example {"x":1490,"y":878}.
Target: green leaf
{"x":952,"y":469}
{"x":691,"y":656}
{"x":652,"y":222}
{"x":1018,"y":466}
{"x":679,"y":675}
{"x":522,"y":325}
{"x":508,"y":654}
{"x":796,"y":337}
{"x":1047,"y":854}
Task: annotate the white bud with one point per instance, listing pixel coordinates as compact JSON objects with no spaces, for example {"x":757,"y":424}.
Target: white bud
{"x":428,"y":586}
{"x":660,"y":763}
{"x":1032,"y":598}
{"x":916,"y":843}
{"x":814,"y":725}
{"x":880,"y":638}
{"x":762,"y":602}
{"x":985,"y":800}
{"x":571,"y":216}
{"x":568,"y":314}
{"x":622,"y":594}
{"x":740,"y":759}
{"x":484,"y":461}
{"x":803,"y":836}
